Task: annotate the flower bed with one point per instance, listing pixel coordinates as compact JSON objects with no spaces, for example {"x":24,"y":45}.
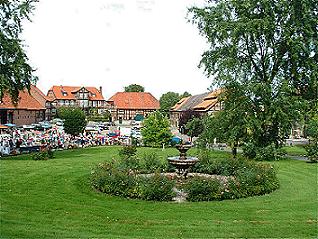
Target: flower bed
{"x":211,"y":179}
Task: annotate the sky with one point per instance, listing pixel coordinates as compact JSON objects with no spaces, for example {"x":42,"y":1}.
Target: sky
{"x":115,"y":43}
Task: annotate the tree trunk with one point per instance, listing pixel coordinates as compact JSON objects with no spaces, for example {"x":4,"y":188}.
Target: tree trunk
{"x":234,"y":150}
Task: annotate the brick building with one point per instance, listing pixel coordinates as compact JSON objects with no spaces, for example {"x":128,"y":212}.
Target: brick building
{"x":30,"y":108}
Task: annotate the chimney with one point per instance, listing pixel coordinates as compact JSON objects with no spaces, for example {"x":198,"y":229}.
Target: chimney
{"x":101,"y":90}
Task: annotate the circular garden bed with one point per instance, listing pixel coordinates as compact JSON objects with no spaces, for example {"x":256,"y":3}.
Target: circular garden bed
{"x":151,"y":178}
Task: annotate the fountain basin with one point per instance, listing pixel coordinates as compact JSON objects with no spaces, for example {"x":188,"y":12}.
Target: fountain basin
{"x":182,"y":165}
{"x":189,"y":161}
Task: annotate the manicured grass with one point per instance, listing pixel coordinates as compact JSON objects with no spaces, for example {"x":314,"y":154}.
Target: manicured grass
{"x":53,"y":199}
{"x":295,"y":150}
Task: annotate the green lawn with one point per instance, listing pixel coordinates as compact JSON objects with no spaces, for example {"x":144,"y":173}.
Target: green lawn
{"x":295,"y":150}
{"x":53,"y":199}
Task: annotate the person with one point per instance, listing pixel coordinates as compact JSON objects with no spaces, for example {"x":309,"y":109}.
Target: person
{"x":6,"y":147}
{"x":18,"y":144}
{"x":1,"y":147}
{"x":82,"y":141}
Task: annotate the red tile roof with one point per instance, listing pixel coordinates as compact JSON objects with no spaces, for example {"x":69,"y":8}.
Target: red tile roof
{"x":26,"y":101}
{"x":71,"y":90}
{"x":98,"y":94}
{"x":135,"y":100}
{"x":38,"y":95}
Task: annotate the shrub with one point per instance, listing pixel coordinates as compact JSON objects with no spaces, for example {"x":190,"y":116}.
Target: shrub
{"x":157,"y":188}
{"x":128,"y":159}
{"x":206,"y":163}
{"x":43,"y":155}
{"x":312,"y":148}
{"x":151,"y":163}
{"x":232,"y":190}
{"x":170,"y":168}
{"x":50,"y":153}
{"x":108,"y":179}
{"x":312,"y":152}
{"x":210,"y":165}
{"x":256,"y":179}
{"x":249,"y":150}
{"x":251,"y":178}
{"x":267,"y":153}
{"x":127,"y":151}
{"x":245,"y":178}
{"x":129,"y":163}
{"x":200,"y":189}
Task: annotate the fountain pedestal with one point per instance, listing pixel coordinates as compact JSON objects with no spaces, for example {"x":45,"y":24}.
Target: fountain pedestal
{"x":183,"y":163}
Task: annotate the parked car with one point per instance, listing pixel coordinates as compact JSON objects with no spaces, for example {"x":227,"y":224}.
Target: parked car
{"x":91,"y":128}
{"x":45,"y":124}
{"x":103,"y":127}
{"x":58,"y":122}
{"x":136,"y":135}
{"x":37,"y":126}
{"x":28,"y":126}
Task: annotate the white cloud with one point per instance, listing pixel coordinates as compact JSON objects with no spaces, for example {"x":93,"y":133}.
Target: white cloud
{"x":116,"y":43}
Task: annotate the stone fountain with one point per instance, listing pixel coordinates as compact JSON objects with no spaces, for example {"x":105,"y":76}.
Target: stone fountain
{"x":183,"y":163}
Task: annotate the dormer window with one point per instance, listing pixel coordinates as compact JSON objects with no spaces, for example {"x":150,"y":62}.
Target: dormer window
{"x":64,"y":93}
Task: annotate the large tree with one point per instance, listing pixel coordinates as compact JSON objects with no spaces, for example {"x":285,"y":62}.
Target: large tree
{"x":185,"y":117}
{"x":74,"y":119}
{"x":15,"y":72}
{"x":228,"y":125}
{"x":195,"y":127}
{"x":269,"y":50}
{"x":134,"y":88}
{"x":312,"y":131}
{"x":185,"y":94}
{"x":156,"y":130}
{"x":169,"y":99}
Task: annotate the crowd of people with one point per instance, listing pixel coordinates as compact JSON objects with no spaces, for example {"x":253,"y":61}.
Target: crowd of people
{"x":16,"y":140}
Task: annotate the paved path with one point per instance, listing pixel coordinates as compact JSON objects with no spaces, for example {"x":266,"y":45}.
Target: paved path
{"x":301,"y":158}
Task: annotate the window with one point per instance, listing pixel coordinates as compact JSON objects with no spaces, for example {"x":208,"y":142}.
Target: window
{"x":83,"y":103}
